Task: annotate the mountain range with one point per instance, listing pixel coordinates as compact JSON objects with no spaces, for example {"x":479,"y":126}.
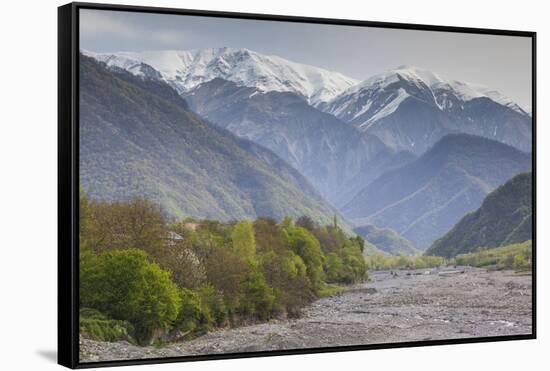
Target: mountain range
{"x":405,"y":149}
{"x":185,"y":69}
{"x":334,"y":156}
{"x":411,"y":109}
{"x":425,"y":198}
{"x":505,"y":217}
{"x":138,"y":138}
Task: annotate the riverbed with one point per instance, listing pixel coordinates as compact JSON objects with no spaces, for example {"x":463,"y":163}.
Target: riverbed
{"x":400,"y":306}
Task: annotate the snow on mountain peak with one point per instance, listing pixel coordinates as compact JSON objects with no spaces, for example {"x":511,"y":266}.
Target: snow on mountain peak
{"x":379,"y":95}
{"x":185,"y":69}
{"x":404,"y":72}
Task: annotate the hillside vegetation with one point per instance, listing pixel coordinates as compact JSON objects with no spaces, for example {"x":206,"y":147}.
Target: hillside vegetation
{"x":504,"y":218}
{"x":384,"y":262}
{"x":516,"y":256}
{"x":139,"y":139}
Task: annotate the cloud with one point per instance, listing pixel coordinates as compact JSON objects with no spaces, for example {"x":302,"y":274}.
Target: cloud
{"x":110,"y":24}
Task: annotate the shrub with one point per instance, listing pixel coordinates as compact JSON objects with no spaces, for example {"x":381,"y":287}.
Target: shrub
{"x":334,"y":267}
{"x":244,"y":242}
{"x":190,"y":315}
{"x":347,"y":265}
{"x":516,"y":256}
{"x":384,"y":262}
{"x":257,"y":298}
{"x":97,"y":326}
{"x":125,"y":286}
{"x":213,"y":307}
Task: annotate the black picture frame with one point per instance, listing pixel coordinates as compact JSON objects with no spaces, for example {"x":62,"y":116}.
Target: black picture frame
{"x":68,"y":181}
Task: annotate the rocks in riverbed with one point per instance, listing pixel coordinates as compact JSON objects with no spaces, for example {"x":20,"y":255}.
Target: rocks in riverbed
{"x":387,"y":309}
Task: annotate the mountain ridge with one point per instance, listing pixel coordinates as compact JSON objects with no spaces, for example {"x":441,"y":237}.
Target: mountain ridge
{"x":185,"y":69}
{"x":504,"y":217}
{"x":333,"y":155}
{"x":138,"y":138}
{"x":410,"y":109}
{"x":423,"y":199}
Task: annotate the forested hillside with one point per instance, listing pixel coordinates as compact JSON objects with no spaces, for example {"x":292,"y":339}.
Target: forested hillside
{"x":139,"y":139}
{"x":505,"y":217}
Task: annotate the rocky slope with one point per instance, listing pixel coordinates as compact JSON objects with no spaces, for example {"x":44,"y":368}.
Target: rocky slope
{"x":337,"y":158}
{"x":411,"y":109}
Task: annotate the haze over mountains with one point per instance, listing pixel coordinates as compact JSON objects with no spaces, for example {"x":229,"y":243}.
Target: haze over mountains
{"x":405,"y":149}
{"x":425,"y":198}
{"x":387,"y":240}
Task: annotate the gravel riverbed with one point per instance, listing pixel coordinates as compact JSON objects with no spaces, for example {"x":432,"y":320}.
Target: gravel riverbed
{"x":429,"y":304}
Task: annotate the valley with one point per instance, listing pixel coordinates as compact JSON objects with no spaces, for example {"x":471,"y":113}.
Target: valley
{"x":233,"y":200}
{"x":268,"y":200}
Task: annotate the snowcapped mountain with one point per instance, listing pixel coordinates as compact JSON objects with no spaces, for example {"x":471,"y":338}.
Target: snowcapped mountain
{"x":336,"y":158}
{"x":186,"y":69}
{"x":168,"y":154}
{"x":425,"y":84}
{"x":410,"y":109}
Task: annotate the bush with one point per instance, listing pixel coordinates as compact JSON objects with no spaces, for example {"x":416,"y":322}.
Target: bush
{"x":421,"y":262}
{"x":286,"y":273}
{"x":97,"y":326}
{"x":125,"y":286}
{"x":213,"y":307}
{"x":334,"y":267}
{"x":347,"y":265}
{"x":191,"y":314}
{"x":385,"y":262}
{"x":257,"y":298}
{"x":516,"y":256}
{"x":244,"y":243}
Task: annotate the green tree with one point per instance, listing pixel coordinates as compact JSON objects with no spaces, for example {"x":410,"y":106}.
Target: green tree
{"x":305,"y":245}
{"x":244,"y":242}
{"x":124,"y":285}
{"x":306,"y":222}
{"x":138,"y":223}
{"x":334,"y":267}
{"x":257,"y":298}
{"x":190,"y":316}
{"x":287,"y":222}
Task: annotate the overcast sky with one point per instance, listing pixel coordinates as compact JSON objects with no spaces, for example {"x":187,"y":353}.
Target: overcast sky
{"x":499,"y":62}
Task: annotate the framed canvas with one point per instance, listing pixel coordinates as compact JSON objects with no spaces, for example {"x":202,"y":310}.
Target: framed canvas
{"x":242,"y":185}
